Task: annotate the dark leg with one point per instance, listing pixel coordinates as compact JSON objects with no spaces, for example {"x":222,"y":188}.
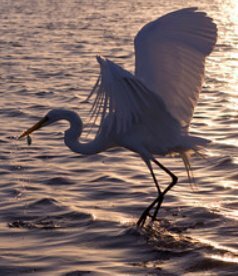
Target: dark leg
{"x":174,"y":181}
{"x":144,"y":215}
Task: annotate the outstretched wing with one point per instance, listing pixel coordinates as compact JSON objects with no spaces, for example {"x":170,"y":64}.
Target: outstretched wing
{"x":124,"y":98}
{"x":170,"y":57}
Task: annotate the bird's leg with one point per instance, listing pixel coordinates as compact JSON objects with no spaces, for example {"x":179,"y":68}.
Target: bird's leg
{"x":174,"y":181}
{"x":144,"y":215}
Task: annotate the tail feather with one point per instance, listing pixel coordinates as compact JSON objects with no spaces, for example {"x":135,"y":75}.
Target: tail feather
{"x":185,"y":157}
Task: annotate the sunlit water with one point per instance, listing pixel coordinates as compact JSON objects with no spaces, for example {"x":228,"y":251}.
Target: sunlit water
{"x":66,"y":214}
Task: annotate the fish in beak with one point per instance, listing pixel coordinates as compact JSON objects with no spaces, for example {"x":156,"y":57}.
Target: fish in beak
{"x":38,"y":125}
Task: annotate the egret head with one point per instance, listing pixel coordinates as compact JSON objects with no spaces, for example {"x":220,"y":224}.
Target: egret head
{"x":53,"y":116}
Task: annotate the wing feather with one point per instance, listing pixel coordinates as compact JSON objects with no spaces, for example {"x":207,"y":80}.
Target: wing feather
{"x":123,"y":99}
{"x":170,"y":58}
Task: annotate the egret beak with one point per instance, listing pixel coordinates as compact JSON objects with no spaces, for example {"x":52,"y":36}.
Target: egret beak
{"x":35,"y":127}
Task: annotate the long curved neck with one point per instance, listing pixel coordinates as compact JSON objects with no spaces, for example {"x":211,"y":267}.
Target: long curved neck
{"x":71,"y":137}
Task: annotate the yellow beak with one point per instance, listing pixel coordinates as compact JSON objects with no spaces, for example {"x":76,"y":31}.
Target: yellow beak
{"x":33,"y":128}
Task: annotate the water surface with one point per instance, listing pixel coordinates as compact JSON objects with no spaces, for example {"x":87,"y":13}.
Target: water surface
{"x":66,"y":214}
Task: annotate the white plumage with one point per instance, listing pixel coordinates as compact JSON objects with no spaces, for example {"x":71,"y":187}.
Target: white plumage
{"x":169,"y":61}
{"x":149,"y":112}
{"x":170,"y":58}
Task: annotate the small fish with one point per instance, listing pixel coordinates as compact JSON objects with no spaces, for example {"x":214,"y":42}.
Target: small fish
{"x":29,"y":140}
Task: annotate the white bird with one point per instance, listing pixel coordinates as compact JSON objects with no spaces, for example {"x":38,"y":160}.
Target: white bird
{"x":149,"y":112}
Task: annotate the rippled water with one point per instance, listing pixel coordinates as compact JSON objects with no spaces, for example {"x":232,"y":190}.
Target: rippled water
{"x":66,"y":214}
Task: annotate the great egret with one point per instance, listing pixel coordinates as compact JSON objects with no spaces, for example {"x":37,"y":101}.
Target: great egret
{"x":149,"y":112}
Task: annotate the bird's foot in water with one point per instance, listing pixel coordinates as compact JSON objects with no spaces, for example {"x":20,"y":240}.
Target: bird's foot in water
{"x":156,"y":204}
{"x":142,"y":220}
